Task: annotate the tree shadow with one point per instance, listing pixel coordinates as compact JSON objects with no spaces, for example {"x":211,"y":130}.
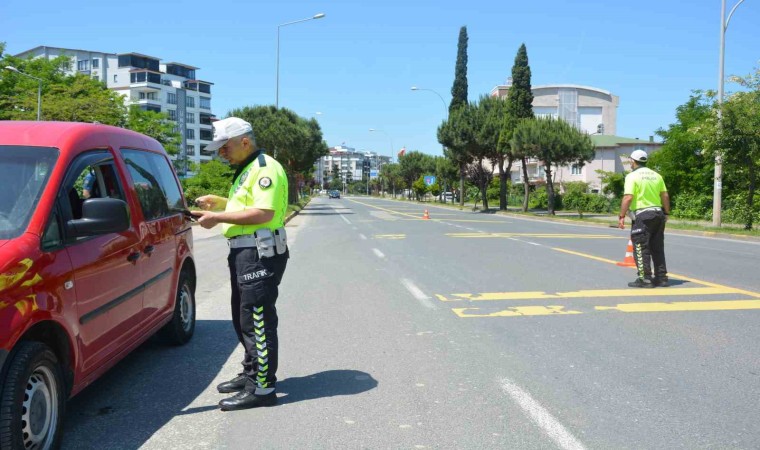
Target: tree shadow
{"x":330,"y":383}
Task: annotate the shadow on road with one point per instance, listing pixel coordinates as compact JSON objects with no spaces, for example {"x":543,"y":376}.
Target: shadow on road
{"x":329,"y":383}
{"x":156,"y":382}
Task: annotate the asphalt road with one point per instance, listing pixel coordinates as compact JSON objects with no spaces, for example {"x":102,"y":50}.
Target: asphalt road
{"x":466,"y":330}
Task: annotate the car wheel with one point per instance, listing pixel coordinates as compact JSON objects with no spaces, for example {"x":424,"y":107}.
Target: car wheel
{"x":180,"y":329}
{"x":33,"y":399}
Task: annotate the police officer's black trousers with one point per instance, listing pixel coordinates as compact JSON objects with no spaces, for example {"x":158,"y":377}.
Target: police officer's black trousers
{"x":254,"y":283}
{"x":648,"y":237}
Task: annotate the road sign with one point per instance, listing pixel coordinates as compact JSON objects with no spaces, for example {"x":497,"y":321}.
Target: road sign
{"x":373,"y":174}
{"x":429,"y":180}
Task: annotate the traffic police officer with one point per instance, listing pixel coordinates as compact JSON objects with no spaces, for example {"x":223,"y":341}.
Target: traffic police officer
{"x":253,"y":222}
{"x":646,"y":197}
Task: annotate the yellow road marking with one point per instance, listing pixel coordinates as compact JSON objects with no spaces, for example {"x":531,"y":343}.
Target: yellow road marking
{"x":534,"y":235}
{"x":683,"y":306}
{"x":517,"y":311}
{"x":390,"y":236}
{"x":589,"y":293}
{"x":584,"y":255}
{"x":670,"y":275}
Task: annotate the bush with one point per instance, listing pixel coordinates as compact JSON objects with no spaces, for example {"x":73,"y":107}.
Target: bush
{"x":735,"y":209}
{"x":598,"y":203}
{"x":493,"y":190}
{"x":692,"y":206}
{"x":539,"y":199}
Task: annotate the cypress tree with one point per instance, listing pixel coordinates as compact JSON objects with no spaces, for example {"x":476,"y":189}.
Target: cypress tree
{"x":459,"y":89}
{"x":520,"y":104}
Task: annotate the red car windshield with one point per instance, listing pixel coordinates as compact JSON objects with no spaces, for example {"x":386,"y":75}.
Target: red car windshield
{"x":24,"y":172}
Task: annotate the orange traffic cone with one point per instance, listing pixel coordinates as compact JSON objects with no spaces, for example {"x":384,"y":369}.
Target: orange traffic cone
{"x":426,"y":216}
{"x":628,"y":261}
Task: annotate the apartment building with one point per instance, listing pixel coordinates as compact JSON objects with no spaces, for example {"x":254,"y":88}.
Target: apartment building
{"x":350,"y":164}
{"x":145,"y":81}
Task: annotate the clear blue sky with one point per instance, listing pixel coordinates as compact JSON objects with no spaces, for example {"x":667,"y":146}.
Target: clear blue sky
{"x":356,"y":66}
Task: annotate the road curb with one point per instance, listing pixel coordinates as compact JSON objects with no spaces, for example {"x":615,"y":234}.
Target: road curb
{"x":295,"y":213}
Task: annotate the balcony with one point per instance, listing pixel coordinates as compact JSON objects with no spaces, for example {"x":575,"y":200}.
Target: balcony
{"x":142,"y":79}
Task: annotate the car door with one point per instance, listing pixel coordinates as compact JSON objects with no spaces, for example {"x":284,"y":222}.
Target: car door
{"x":162,"y":204}
{"x":106,"y":274}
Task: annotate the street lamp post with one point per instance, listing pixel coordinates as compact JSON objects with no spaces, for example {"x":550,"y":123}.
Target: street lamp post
{"x":445,"y":112}
{"x":277,"y":94}
{"x":445,"y":108}
{"x":718,"y":186}
{"x":39,"y":88}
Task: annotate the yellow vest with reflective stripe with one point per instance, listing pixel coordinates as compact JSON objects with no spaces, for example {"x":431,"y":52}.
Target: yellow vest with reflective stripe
{"x":260,"y":187}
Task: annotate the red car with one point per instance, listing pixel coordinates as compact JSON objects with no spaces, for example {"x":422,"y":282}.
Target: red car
{"x":95,"y":257}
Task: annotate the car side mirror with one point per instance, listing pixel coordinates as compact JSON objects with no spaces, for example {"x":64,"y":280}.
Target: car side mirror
{"x":100,"y":216}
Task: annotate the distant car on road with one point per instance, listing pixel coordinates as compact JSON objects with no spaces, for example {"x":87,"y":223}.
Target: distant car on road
{"x":84,"y":278}
{"x":334,"y":194}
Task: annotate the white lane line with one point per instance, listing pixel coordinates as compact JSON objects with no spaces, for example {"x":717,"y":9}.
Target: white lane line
{"x":378,"y":253}
{"x":541,"y":417}
{"x":418,"y":294}
{"x":514,"y":239}
{"x":344,"y":219}
{"x":364,"y":238}
{"x":533,"y":243}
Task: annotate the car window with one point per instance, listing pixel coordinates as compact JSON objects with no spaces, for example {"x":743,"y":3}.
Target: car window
{"x":53,"y":237}
{"x":24,"y":172}
{"x":91,"y":177}
{"x":154,"y":182}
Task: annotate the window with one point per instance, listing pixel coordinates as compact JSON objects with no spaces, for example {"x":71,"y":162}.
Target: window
{"x":52,"y":237}
{"x":83,"y":65}
{"x":114,"y":78}
{"x":92,"y":175}
{"x":172,"y":114}
{"x":24,"y":171}
{"x":576,"y":169}
{"x":190,"y":102}
{"x":171,"y":98}
{"x":190,"y":117}
{"x":154,"y":182}
{"x":95,"y":63}
{"x":147,"y":96}
{"x":207,"y":135}
{"x":190,"y":150}
{"x":190,"y":133}
{"x":140,"y":62}
{"x":205,"y":102}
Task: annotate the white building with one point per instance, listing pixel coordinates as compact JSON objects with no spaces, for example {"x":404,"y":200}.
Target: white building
{"x":351,"y":165}
{"x":589,"y":109}
{"x":145,"y":81}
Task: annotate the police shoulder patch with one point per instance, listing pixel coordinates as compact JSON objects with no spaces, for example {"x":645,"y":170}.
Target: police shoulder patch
{"x":265,"y":182}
